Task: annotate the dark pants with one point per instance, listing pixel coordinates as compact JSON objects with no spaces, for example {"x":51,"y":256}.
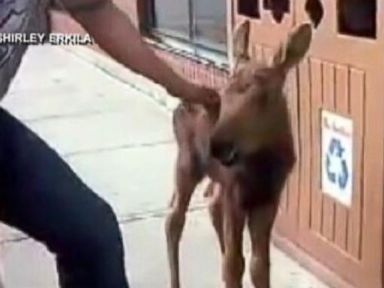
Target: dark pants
{"x":42,"y":196}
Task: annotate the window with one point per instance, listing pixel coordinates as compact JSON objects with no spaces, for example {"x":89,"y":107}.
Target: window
{"x":249,"y":8}
{"x":357,"y":18}
{"x":199,"y":23}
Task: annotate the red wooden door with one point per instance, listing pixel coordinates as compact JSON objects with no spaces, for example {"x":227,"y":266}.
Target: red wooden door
{"x":343,"y":75}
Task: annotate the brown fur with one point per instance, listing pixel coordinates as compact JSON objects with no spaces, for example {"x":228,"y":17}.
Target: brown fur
{"x":252,"y":117}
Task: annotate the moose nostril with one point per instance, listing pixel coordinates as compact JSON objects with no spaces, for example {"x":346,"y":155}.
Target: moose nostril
{"x":224,"y":151}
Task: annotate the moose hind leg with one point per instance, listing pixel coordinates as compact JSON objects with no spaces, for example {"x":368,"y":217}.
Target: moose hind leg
{"x":186,"y":181}
{"x":215,"y":208}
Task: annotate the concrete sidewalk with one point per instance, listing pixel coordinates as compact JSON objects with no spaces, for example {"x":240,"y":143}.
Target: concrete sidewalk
{"x":114,"y":129}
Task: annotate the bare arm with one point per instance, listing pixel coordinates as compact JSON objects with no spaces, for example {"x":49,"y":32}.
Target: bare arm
{"x":115,"y":33}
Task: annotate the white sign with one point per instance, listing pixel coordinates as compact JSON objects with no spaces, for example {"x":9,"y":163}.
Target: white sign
{"x":336,"y":157}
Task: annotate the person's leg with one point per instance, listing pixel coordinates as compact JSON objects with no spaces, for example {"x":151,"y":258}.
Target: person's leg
{"x":42,"y":196}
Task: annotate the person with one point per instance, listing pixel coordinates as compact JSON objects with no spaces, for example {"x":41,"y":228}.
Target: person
{"x":39,"y":193}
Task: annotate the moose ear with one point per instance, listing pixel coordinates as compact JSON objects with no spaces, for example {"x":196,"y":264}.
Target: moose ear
{"x":294,"y":49}
{"x":240,"y":43}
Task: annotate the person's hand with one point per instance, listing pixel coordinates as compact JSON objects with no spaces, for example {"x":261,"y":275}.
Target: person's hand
{"x":200,"y":95}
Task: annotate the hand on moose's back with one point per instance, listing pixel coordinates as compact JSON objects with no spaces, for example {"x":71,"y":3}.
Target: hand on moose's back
{"x":199,"y":94}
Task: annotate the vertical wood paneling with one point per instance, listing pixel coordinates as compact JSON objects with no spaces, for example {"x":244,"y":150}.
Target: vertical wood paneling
{"x":342,"y":105}
{"x":357,"y":82}
{"x":316,"y":98}
{"x":253,"y":51}
{"x":267,"y":54}
{"x":259,"y":53}
{"x":329,"y":102}
{"x":305,"y":143}
{"x":293,"y":196}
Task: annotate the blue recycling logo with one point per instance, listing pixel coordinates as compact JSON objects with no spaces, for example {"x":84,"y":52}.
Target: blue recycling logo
{"x":335,"y":154}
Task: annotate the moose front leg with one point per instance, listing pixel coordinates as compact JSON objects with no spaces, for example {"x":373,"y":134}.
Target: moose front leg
{"x":233,"y":259}
{"x":260,"y":222}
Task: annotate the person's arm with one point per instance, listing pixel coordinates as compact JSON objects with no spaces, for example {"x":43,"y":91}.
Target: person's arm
{"x":114,"y":32}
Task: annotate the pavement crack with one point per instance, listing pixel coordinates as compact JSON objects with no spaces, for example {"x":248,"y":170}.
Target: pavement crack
{"x":157,"y":213}
{"x":80,"y":114}
{"x":117,"y":147}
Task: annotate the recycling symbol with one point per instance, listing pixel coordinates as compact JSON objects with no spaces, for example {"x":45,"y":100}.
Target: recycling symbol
{"x":336,"y":165}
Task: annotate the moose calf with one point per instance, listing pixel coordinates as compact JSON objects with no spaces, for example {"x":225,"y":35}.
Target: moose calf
{"x":245,"y":147}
